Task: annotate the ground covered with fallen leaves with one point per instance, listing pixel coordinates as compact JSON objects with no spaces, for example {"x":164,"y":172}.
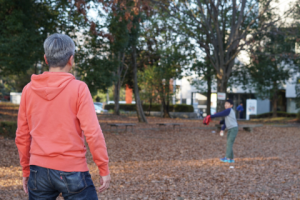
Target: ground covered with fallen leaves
{"x":161,"y":163}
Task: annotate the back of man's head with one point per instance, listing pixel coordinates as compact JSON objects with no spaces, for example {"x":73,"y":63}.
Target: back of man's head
{"x":58,"y":50}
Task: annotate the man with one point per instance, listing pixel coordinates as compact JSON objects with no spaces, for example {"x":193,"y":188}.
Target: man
{"x":55,"y":114}
{"x":240,"y":109}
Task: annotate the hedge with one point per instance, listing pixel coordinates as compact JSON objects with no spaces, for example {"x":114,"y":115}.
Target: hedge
{"x":8,"y":129}
{"x":270,"y":114}
{"x":154,"y":107}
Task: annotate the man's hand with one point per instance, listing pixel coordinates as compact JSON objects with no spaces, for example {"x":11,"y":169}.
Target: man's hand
{"x":25,"y":184}
{"x":104,"y":182}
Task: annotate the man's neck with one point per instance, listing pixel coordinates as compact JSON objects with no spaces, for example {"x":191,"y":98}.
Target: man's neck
{"x":58,"y":69}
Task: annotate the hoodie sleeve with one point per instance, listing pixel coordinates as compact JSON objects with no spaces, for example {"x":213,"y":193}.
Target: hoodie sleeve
{"x":23,"y":138}
{"x":90,"y":126}
{"x":223,"y":113}
{"x":223,"y":127}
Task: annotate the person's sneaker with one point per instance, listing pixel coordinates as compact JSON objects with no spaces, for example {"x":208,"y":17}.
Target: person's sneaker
{"x":224,"y":159}
{"x":230,"y":160}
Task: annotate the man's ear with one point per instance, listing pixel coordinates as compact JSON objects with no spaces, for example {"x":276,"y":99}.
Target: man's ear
{"x":46,"y":61}
{"x":71,"y":60}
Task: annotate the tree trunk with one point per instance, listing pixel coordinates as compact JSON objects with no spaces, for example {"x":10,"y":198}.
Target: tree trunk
{"x":150,"y":105}
{"x":164,"y":103}
{"x":139,"y":109}
{"x":208,"y":96}
{"x":221,"y":87}
{"x":117,"y":97}
{"x":117,"y":88}
{"x":275,"y":102}
{"x":165,"y":106}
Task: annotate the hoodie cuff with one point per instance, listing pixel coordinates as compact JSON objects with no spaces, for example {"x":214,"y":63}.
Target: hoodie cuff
{"x":103,"y":170}
{"x":26,"y":171}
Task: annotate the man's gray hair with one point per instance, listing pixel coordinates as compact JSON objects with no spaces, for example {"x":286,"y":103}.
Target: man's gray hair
{"x":58,"y":49}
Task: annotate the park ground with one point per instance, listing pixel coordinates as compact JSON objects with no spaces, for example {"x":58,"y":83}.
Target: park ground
{"x":158,"y":163}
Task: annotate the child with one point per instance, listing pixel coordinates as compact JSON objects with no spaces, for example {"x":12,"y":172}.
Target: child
{"x":231,"y":125}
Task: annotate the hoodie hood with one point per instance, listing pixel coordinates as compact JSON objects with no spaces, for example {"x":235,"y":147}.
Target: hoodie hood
{"x":50,"y":84}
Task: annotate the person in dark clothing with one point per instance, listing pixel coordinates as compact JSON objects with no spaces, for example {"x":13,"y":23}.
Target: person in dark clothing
{"x":240,"y":109}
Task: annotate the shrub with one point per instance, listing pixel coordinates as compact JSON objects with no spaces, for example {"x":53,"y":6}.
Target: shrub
{"x":298,"y":115}
{"x":154,"y":107}
{"x":8,"y":129}
{"x":126,"y":107}
{"x":183,"y":108}
{"x":270,"y":114}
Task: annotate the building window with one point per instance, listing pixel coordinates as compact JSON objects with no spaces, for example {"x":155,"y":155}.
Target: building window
{"x":183,"y":101}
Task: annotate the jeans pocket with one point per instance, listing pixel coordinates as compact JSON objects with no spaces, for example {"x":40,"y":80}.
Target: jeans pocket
{"x":32,"y":180}
{"x":74,"y":181}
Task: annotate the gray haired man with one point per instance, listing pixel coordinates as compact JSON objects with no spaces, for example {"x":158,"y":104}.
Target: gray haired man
{"x":55,"y":114}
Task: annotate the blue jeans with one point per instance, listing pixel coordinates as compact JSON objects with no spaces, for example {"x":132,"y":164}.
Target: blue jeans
{"x":47,"y":184}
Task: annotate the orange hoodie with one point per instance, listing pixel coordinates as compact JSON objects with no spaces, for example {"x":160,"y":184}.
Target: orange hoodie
{"x":54,"y":113}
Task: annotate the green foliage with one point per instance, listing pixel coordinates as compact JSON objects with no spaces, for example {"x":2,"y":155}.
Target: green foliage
{"x":206,"y":73}
{"x":154,"y":107}
{"x":8,"y":129}
{"x":24,"y":25}
{"x":97,"y":71}
{"x":182,"y":108}
{"x":164,"y":56}
{"x":268,"y":68}
{"x":298,"y":115}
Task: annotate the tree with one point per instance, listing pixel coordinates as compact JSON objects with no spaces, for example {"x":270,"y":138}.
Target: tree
{"x":93,"y":65}
{"x":118,"y":47}
{"x":132,"y":13}
{"x":24,"y":25}
{"x":165,"y":55}
{"x":158,"y":78}
{"x":272,"y":63}
{"x":206,"y":72}
{"x":228,"y":27}
{"x":134,"y":36}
